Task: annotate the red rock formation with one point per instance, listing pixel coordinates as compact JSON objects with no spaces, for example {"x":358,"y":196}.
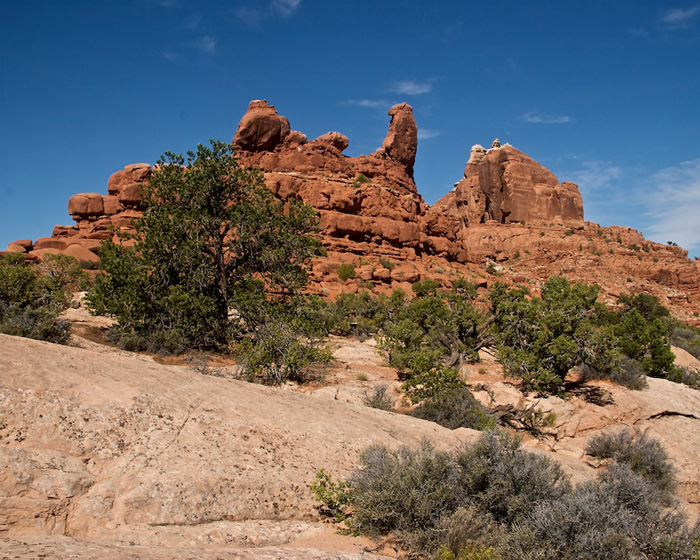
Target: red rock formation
{"x":504,"y":185}
{"x":367,"y":204}
{"x":401,"y":142}
{"x":261,"y":128}
{"x":508,"y":210}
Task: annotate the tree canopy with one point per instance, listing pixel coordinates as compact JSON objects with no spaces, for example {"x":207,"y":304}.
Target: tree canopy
{"x":212,"y":253}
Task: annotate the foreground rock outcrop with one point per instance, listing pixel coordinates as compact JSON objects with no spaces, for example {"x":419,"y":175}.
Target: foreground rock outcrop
{"x":104,"y":453}
{"x":117,"y":448}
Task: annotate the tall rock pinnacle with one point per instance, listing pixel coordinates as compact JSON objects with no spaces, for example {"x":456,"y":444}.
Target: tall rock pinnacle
{"x":401,"y":141}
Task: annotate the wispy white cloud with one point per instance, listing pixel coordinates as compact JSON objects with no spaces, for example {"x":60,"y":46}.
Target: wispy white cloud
{"x":194,"y":22}
{"x":165,"y":3}
{"x":640,"y":31}
{"x":595,"y":175}
{"x":536,"y":117}
{"x":206,"y":44}
{"x":411,"y":87}
{"x":680,"y":17}
{"x":368,"y":103}
{"x":285,"y":7}
{"x":674,"y":205}
{"x":258,"y":11}
{"x":426,"y":133}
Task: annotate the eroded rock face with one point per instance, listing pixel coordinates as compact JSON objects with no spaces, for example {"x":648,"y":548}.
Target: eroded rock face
{"x":504,"y":185}
{"x":367,"y":204}
{"x":401,"y":142}
{"x":261,"y":128}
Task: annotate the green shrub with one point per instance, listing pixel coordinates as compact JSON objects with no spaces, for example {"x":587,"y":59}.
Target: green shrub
{"x":406,"y":492}
{"x":432,"y":334}
{"x":456,"y":408}
{"x":360,"y":179}
{"x":276,"y":353}
{"x":386,"y":263}
{"x":334,"y":497}
{"x":617,"y":516}
{"x":506,"y":481}
{"x":346,"y":271}
{"x":32,"y":297}
{"x":362,"y":314}
{"x":493,"y":500}
{"x":428,"y":498}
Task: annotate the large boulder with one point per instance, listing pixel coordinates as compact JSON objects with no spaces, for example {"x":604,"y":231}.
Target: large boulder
{"x":261,"y":128}
{"x":85,"y":204}
{"x":401,"y":140}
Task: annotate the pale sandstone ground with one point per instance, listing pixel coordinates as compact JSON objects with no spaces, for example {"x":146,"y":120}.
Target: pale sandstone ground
{"x":108,"y":454}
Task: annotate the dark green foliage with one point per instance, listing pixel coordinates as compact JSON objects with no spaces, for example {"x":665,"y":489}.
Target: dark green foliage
{"x":346,"y":271}
{"x":541,"y":339}
{"x":538,"y":338}
{"x":432,"y":334}
{"x":216,"y":258}
{"x":32,"y":297}
{"x":334,"y":497}
{"x":362,"y":314}
{"x":642,"y":454}
{"x":455,"y":408}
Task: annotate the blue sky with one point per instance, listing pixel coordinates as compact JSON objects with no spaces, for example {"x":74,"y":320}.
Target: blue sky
{"x":604,"y":93}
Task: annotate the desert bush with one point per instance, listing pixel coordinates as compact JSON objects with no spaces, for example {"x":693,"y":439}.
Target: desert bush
{"x":428,"y":497}
{"x":363,"y":314}
{"x":687,"y":338}
{"x":32,"y":322}
{"x":430,"y":335}
{"x":276,"y":353}
{"x":456,"y":408}
{"x":541,"y":339}
{"x":346,"y":271}
{"x":378,"y":397}
{"x":334,"y":497}
{"x":538,"y":338}
{"x":505,"y":480}
{"x":406,"y":492}
{"x":469,"y":534}
{"x":641,"y":453}
{"x":492,"y":500}
{"x":617,"y":516}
